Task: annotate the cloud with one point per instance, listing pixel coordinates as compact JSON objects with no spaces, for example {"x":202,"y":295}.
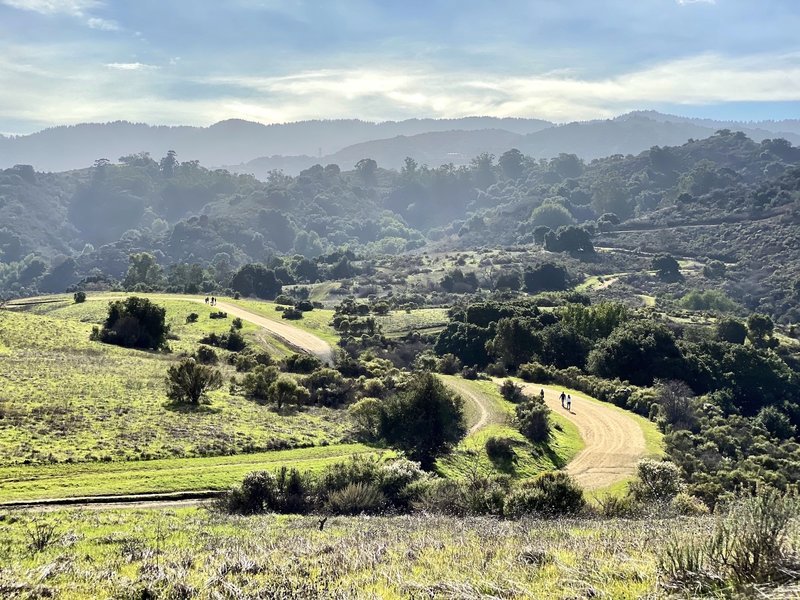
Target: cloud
{"x":102,"y":24}
{"x":43,"y":85}
{"x":394,"y":92}
{"x":74,"y":8}
{"x":135,"y":66}
{"x":52,"y":7}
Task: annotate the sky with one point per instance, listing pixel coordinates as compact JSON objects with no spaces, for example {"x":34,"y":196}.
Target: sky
{"x":202,"y":61}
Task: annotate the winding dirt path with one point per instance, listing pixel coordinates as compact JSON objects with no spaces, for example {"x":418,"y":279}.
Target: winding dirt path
{"x":463,"y":389}
{"x":614,"y":440}
{"x":292,"y":336}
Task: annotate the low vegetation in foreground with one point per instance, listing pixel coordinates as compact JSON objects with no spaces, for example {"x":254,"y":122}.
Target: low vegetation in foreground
{"x":205,"y":554}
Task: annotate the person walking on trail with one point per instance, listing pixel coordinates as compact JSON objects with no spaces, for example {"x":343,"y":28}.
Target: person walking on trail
{"x":541,"y":394}
{"x":206,"y":299}
{"x":569,"y":402}
{"x":563,"y":397}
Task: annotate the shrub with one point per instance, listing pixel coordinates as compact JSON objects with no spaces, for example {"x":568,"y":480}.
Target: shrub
{"x":551,"y":493}
{"x":448,"y":364}
{"x":684,"y":504}
{"x":425,"y":420}
{"x":470,"y":373}
{"x":218,"y":315}
{"x":355,"y":499}
{"x":257,"y":383}
{"x":41,"y":535}
{"x":189,"y":381}
{"x":288,"y":492}
{"x":534,"y":372}
{"x":292,"y":314}
{"x":134,"y":323}
{"x":304,"y":306}
{"x":328,"y":387}
{"x":248,"y":359}
{"x":284,"y":299}
{"x":366,"y":416}
{"x":533,"y":419}
{"x":302,"y":363}
{"x":237,"y":323}
{"x":206,"y":356}
{"x":501,"y":451}
{"x":656,"y":481}
{"x":750,"y":544}
{"x":286,"y":390}
{"x":511,"y":391}
{"x":233,"y":340}
{"x":192,"y":317}
{"x":79,"y":297}
{"x":477,"y":495}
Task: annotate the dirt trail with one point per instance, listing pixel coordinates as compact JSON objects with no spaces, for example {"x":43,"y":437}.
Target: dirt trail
{"x":614,"y":442}
{"x":308,"y":342}
{"x":293,"y":336}
{"x":461,"y":388}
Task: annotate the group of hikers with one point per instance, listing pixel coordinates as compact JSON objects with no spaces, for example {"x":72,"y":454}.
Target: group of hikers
{"x":212,"y":300}
{"x":566,"y":399}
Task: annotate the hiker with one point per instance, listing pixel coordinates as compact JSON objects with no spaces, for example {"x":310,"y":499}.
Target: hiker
{"x":569,"y":402}
{"x":206,"y":299}
{"x":213,"y":301}
{"x":563,"y":397}
{"x":541,"y":394}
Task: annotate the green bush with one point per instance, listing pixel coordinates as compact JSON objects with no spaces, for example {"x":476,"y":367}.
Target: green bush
{"x":425,"y":420}
{"x":684,"y":504}
{"x":501,"y":451}
{"x":189,"y":381}
{"x":512,"y":392}
{"x":656,"y":481}
{"x":258,"y":382}
{"x":366,"y":416}
{"x":302,"y":363}
{"x":356,"y":499}
{"x":292,"y":314}
{"x":549,"y":494}
{"x":750,"y":544}
{"x":534,"y":372}
{"x":477,"y":495}
{"x":206,"y":356}
{"x":134,"y":323}
{"x":448,"y":364}
{"x":533,"y":420}
{"x":79,"y":297}
{"x":192,"y":317}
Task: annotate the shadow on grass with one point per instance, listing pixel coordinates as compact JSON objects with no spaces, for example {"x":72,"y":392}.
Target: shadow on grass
{"x":202,"y":408}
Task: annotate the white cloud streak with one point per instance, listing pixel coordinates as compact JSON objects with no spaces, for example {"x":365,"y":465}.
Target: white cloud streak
{"x":135,"y":66}
{"x":75,"y":8}
{"x":53,"y":7}
{"x":37,"y":88}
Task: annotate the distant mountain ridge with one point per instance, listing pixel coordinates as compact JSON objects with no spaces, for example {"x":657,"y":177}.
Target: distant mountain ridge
{"x":249,"y":147}
{"x":227,"y":142}
{"x":631,"y":133}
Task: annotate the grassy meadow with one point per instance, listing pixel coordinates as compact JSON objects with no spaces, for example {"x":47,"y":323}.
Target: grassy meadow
{"x":23,"y":483}
{"x":192,"y":552}
{"x":68,"y":399}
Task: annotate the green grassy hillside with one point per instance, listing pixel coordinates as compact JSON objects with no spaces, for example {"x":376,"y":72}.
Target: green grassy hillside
{"x":68,"y":399}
